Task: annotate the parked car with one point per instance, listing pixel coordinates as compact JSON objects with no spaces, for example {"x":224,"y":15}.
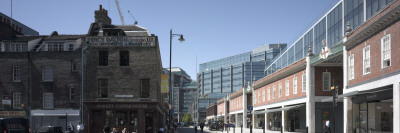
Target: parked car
{"x":50,"y":129}
{"x":215,"y":126}
{"x":14,"y":125}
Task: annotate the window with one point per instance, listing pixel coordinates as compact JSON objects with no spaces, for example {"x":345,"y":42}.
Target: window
{"x":268,"y":94}
{"x":48,"y":101}
{"x":263,"y":95}
{"x":304,"y":83}
{"x":295,"y":85}
{"x":366,"y":60}
{"x":16,"y":74}
{"x":103,"y":58}
{"x":273,"y":92}
{"x":326,"y":76}
{"x":351,"y":67}
{"x":55,"y":46}
{"x":103,"y":88}
{"x":385,"y":48}
{"x":144,"y":88}
{"x":73,"y":67}
{"x":280,"y":89}
{"x":287,"y":88}
{"x":47,"y":73}
{"x":16,"y":100}
{"x":237,"y":103}
{"x":16,"y":47}
{"x":71,"y":94}
{"x":124,"y":58}
{"x":71,"y":47}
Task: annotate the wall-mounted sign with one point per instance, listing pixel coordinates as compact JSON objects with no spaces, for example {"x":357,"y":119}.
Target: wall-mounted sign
{"x":12,"y":113}
{"x":6,"y":100}
{"x":164,"y":83}
{"x":121,"y":41}
{"x":121,"y":106}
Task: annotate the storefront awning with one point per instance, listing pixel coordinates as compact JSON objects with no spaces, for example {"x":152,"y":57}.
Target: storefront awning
{"x":355,"y":93}
{"x":278,"y":109}
{"x":55,"y":112}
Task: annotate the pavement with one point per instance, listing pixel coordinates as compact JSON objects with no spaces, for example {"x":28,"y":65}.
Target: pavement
{"x":190,"y":129}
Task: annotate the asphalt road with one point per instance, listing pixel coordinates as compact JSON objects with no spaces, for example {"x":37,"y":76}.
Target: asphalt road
{"x":191,"y":130}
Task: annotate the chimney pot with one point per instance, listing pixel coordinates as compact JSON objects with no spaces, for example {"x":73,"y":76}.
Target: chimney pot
{"x":100,"y":7}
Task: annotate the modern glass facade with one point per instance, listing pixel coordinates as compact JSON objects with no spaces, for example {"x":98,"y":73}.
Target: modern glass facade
{"x":230,"y":74}
{"x":331,"y":27}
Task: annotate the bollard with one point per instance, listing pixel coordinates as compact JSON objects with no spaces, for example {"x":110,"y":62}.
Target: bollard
{"x":241,"y":128}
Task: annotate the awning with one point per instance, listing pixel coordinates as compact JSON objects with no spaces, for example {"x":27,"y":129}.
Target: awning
{"x":354,"y":93}
{"x":278,"y":109}
{"x":55,"y":112}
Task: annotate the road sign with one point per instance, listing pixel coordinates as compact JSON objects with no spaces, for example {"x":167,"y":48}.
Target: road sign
{"x":250,"y":108}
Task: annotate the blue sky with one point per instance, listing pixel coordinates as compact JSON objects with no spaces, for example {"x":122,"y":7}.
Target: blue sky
{"x":213,"y":29}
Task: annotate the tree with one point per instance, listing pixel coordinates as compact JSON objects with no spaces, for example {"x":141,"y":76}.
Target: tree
{"x":187,"y":118}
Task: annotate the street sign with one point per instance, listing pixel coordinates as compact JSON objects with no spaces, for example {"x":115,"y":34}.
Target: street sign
{"x":250,"y":108}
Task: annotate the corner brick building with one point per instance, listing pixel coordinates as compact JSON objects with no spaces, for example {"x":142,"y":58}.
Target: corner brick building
{"x":122,"y":77}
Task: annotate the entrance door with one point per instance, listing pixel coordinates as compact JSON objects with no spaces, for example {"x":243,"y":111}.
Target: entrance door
{"x":97,"y":121}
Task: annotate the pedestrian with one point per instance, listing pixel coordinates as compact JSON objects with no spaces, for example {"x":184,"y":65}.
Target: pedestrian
{"x":201,"y":126}
{"x":195,"y":127}
{"x":124,"y":130}
{"x":175,"y":125}
{"x":106,"y":128}
{"x":70,"y":128}
{"x":114,"y":130}
{"x":80,"y":127}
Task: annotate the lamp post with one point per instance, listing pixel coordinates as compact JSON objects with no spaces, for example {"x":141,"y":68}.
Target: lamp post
{"x":181,"y":39}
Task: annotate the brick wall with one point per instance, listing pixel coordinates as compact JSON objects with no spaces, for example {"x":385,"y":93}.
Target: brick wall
{"x":336,"y":74}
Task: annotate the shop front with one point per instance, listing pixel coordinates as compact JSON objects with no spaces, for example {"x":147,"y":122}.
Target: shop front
{"x":135,"y":117}
{"x":373,"y":112}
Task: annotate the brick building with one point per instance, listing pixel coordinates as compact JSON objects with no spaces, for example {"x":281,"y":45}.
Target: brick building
{"x":122,"y":77}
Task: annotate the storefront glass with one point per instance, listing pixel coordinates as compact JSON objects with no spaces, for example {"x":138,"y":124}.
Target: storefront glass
{"x":259,"y":120}
{"x":373,"y":116}
{"x":122,"y":119}
{"x":274,"y":121}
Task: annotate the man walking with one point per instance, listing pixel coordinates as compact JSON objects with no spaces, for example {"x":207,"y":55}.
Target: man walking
{"x":195,"y":127}
{"x":201,"y":126}
{"x":80,"y":127}
{"x":70,"y":128}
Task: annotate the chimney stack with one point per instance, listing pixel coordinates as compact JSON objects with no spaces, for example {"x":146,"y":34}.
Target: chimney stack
{"x":100,"y":7}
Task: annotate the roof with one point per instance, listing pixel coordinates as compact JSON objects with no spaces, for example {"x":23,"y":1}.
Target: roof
{"x":23,"y":38}
{"x":64,"y":37}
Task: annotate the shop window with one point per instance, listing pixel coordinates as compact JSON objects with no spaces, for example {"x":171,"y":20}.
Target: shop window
{"x":385,"y":50}
{"x":103,"y":58}
{"x":144,"y":88}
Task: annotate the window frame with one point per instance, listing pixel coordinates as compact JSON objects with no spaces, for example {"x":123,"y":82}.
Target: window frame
{"x":366,"y":57}
{"x":142,"y":85}
{"x":47,"y":74}
{"x":386,"y":50}
{"x":103,"y":58}
{"x":16,"y":73}
{"x":263,"y":95}
{"x":100,"y":92}
{"x":268,"y":93}
{"x":295,"y":85}
{"x":304,"y":83}
{"x":351,"y":67}
{"x":280,"y":89}
{"x":287,"y":87}
{"x":323,"y":81}
{"x":48,"y":100}
{"x":259,"y":97}
{"x":274,"y":92}
{"x":123,"y":58}
{"x":17,"y":100}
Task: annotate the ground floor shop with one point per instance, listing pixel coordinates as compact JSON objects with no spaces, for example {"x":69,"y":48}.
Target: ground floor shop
{"x":61,"y":118}
{"x":135,"y":117}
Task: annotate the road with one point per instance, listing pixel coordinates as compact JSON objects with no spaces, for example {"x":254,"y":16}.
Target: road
{"x":191,"y":130}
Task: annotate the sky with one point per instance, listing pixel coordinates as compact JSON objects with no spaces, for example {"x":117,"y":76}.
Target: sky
{"x":213,"y":29}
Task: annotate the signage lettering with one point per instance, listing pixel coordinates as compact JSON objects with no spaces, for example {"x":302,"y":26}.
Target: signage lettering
{"x":11,"y":113}
{"x":121,"y":106}
{"x":121,"y":41}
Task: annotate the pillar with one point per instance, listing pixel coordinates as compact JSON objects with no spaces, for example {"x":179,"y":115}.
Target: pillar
{"x":225,"y":110}
{"x":347,"y":115}
{"x":310,"y":92}
{"x":244,"y":100}
{"x":266,"y":121}
{"x":284,"y":113}
{"x":141,"y":121}
{"x":237,"y":120}
{"x":396,"y":107}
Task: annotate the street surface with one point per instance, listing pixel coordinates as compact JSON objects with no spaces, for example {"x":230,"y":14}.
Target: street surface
{"x":190,"y":129}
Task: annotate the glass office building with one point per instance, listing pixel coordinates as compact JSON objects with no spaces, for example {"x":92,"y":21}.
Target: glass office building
{"x":219,"y":77}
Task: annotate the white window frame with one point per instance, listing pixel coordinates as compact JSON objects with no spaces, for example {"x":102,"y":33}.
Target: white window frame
{"x":55,"y":46}
{"x":16,"y":100}
{"x":304,"y":83}
{"x":274,"y":92}
{"x":48,"y":100}
{"x":295,"y":85}
{"x":268,"y":94}
{"x":366,"y":60}
{"x":259,"y":97}
{"x":385,"y":51}
{"x":47,"y":74}
{"x":263,"y":95}
{"x":16,"y":73}
{"x":280,"y":89}
{"x":237,"y":103}
{"x":324,"y":86}
{"x":287,"y":87}
{"x":351,"y":67}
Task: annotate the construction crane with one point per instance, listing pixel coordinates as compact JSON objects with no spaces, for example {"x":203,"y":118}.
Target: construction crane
{"x":133,"y":18}
{"x":120,"y":13}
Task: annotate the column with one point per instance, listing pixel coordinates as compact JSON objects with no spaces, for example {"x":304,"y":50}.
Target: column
{"x":283,"y":120}
{"x":266,"y":121}
{"x":347,"y":115}
{"x":396,"y":107}
{"x":310,"y":103}
{"x":244,"y":100}
{"x":253,"y":120}
{"x":237,"y":120}
{"x":140,"y":125}
{"x":225,"y":110}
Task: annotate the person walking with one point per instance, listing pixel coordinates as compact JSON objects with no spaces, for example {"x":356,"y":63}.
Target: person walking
{"x":70,"y":128}
{"x":80,"y":127}
{"x":201,"y":126}
{"x":195,"y":127}
{"x":106,"y":128}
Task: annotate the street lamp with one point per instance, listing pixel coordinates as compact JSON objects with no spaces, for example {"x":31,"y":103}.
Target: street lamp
{"x":181,"y":39}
